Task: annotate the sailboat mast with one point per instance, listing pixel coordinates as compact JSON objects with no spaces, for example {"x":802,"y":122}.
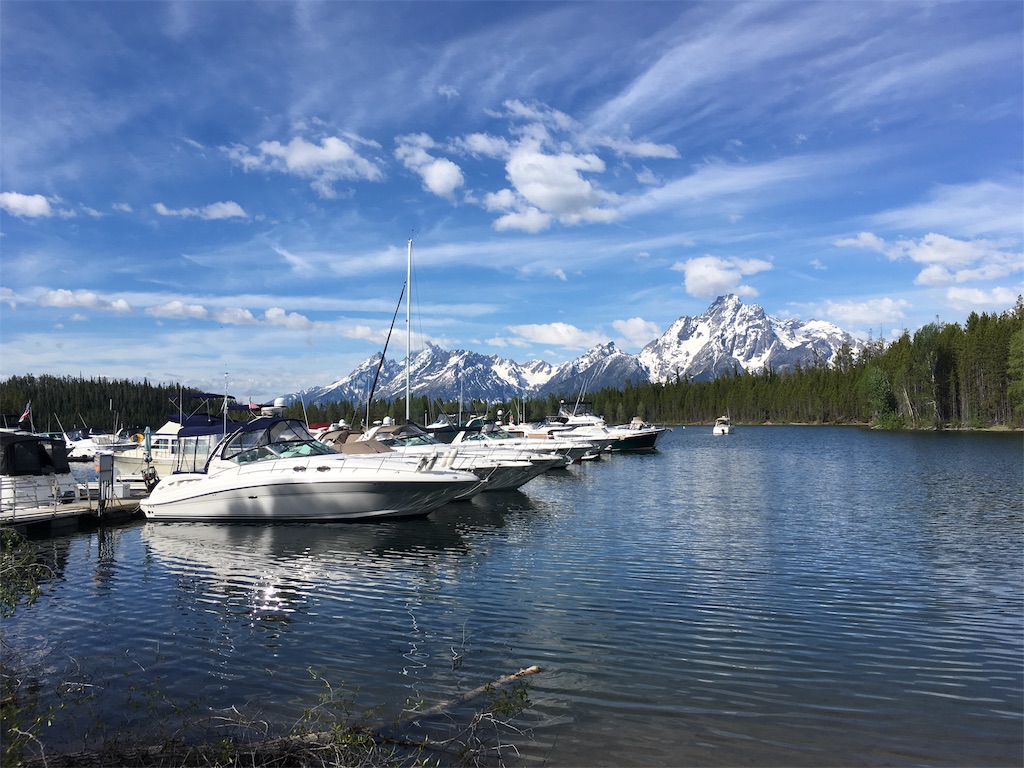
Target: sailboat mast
{"x":408,"y":329}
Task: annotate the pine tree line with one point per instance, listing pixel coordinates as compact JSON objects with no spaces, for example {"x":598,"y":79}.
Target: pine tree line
{"x":942,"y":376}
{"x":66,"y":403}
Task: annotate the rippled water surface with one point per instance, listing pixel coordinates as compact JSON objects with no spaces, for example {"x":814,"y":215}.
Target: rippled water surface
{"x":780,"y":596}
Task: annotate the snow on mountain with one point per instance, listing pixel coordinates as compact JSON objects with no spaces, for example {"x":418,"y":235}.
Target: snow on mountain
{"x":727,"y":336}
{"x":732,"y":335}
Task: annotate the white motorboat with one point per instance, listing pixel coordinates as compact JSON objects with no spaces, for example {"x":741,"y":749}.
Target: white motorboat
{"x":34,"y":472}
{"x":85,"y":444}
{"x":493,"y":434}
{"x":723,"y":426}
{"x":503,"y":469}
{"x":580,"y":423}
{"x":273,"y":470}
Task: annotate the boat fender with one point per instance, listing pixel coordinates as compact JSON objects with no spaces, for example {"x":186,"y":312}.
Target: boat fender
{"x":450,"y":457}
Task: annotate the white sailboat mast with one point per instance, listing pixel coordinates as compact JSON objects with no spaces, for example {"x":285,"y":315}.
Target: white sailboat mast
{"x":408,"y":328}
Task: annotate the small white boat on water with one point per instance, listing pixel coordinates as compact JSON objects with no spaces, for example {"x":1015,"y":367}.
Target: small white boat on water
{"x":723,"y":426}
{"x":34,"y":472}
{"x":273,"y":470}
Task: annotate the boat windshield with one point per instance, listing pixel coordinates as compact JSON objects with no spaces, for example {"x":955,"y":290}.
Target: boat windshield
{"x":408,"y":439}
{"x":487,"y":432}
{"x":283,"y":439}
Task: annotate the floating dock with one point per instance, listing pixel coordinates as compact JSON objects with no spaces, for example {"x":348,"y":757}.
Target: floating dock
{"x":72,"y":515}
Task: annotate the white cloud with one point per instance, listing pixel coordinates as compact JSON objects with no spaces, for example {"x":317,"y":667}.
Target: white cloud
{"x":440,"y":175}
{"x":636,"y":331}
{"x":866,"y":240}
{"x":559,"y":334}
{"x":529,"y":220}
{"x":291,"y":320}
{"x":866,"y":314}
{"x":485,"y":145}
{"x":553,"y":182}
{"x":178,"y":310}
{"x":709,"y":276}
{"x":235,"y":316}
{"x":946,"y":259}
{"x":64,"y":298}
{"x":26,"y":206}
{"x":333,"y":159}
{"x":977,"y":300}
{"x":626,"y":148}
{"x":214,"y":211}
{"x":547,"y":187}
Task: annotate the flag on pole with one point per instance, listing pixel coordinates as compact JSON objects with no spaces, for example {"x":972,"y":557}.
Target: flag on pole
{"x":27,"y":413}
{"x":253,"y":406}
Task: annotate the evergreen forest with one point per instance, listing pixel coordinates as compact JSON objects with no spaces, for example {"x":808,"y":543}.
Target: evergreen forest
{"x":944,"y":376}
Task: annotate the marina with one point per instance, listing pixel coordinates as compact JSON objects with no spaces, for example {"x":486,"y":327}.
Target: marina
{"x":848,"y":597}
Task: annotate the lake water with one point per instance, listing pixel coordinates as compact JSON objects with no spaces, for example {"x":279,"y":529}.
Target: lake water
{"x":781,"y":596}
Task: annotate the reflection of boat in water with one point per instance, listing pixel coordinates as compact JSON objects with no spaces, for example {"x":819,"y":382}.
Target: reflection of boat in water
{"x":723,"y":426}
{"x":273,"y":470}
{"x":34,"y":472}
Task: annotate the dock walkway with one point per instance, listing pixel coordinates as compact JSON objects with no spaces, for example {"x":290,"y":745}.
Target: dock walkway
{"x":72,"y":514}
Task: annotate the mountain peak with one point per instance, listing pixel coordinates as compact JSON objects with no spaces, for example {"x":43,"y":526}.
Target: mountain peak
{"x":728,"y":335}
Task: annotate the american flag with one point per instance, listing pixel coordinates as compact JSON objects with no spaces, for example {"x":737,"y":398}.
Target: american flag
{"x":27,"y":413}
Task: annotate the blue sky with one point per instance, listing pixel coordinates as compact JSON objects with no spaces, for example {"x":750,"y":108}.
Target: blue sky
{"x":221,"y":193}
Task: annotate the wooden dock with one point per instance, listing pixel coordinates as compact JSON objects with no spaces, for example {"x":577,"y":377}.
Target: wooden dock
{"x":71,"y":515}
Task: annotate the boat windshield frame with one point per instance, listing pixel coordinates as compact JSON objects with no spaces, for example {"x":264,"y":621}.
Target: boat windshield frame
{"x":273,"y":439}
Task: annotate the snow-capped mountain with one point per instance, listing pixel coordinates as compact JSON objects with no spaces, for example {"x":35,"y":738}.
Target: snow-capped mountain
{"x":728,"y":335}
{"x":731,"y":334}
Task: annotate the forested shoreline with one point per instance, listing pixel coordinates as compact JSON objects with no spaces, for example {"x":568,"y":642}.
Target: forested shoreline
{"x":944,"y":376}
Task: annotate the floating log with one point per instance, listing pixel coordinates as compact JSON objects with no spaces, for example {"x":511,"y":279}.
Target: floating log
{"x":468,"y":697}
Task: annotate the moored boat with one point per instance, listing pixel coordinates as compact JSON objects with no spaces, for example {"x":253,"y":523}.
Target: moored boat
{"x":34,"y":472}
{"x":273,"y":470}
{"x":503,"y":469}
{"x":580,"y":422}
{"x":723,"y":426}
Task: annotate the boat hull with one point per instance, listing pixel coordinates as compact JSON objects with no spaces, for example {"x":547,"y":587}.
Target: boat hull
{"x":296,"y":497}
{"x":640,"y":440}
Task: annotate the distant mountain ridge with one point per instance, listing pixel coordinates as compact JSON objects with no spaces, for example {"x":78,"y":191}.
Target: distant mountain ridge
{"x":728,"y":335}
